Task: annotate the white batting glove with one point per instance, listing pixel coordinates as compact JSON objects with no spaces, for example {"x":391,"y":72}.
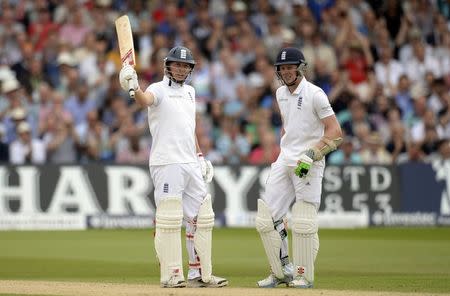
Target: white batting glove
{"x":206,"y":167}
{"x":128,"y":78}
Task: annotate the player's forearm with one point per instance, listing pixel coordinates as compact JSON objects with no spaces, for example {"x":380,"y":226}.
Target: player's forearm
{"x":144,"y":99}
{"x":331,"y":139}
{"x":332,"y":133}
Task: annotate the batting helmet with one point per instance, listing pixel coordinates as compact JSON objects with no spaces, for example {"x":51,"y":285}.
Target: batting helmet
{"x":179,"y":54}
{"x":290,"y":56}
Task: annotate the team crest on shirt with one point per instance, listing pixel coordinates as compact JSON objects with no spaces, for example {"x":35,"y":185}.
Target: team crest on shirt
{"x":299,"y":102}
{"x":190,"y":96}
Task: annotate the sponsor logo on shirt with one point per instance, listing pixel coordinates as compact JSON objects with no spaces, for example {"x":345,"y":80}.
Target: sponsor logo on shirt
{"x":166,"y":188}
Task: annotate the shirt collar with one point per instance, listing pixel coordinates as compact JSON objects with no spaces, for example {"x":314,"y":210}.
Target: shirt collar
{"x":171,"y":83}
{"x":300,"y":86}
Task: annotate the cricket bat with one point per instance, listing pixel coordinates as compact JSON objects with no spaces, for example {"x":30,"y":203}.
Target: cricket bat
{"x":126,"y":46}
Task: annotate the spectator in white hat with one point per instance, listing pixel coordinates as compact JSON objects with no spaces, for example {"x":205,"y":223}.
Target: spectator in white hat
{"x":25,"y":149}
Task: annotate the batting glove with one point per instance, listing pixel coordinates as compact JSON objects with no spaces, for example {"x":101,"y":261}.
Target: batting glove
{"x":303,"y":166}
{"x":128,"y":78}
{"x":206,"y":167}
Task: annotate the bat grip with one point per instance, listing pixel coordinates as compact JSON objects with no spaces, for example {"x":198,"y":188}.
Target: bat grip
{"x":130,"y":91}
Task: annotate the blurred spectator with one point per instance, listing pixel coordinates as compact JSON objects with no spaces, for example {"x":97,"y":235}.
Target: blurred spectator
{"x":231,"y":143}
{"x":421,"y":63}
{"x":4,"y":148}
{"x":374,"y":152}
{"x":80,"y":104}
{"x":358,"y":114}
{"x":429,"y":145}
{"x":60,"y":139}
{"x":74,"y":30}
{"x":397,"y":146}
{"x":96,"y":138}
{"x":403,"y":97}
{"x":428,"y":120}
{"x":388,"y":70}
{"x":443,"y":147}
{"x":136,"y":152}
{"x":320,"y":56}
{"x":415,"y":153}
{"x":208,"y":150}
{"x":26,"y":149}
{"x":267,"y":152}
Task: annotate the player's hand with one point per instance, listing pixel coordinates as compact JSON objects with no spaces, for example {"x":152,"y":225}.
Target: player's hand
{"x":207,"y":168}
{"x":303,"y":166}
{"x":128,"y":78}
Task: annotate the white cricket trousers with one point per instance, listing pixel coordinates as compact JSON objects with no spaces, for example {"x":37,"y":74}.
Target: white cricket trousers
{"x":183,"y":180}
{"x":283,"y":187}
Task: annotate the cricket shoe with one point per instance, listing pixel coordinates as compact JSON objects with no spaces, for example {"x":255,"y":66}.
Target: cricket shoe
{"x":272,"y":281}
{"x":300,"y":281}
{"x":214,"y":282}
{"x":175,"y":281}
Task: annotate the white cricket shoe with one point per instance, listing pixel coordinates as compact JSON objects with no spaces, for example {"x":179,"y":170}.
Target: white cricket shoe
{"x":214,"y":282}
{"x":299,"y":280}
{"x":272,"y":281}
{"x":175,"y":281}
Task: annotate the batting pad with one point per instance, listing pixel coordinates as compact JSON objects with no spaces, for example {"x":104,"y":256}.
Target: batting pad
{"x":271,"y":239}
{"x":203,"y":237}
{"x":305,"y":240}
{"x":169,"y":216}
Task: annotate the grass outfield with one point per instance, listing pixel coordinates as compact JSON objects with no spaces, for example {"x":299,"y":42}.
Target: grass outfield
{"x":376,"y":259}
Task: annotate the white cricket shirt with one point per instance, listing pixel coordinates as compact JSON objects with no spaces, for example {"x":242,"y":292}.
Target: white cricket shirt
{"x":301,"y":112}
{"x":171,"y":120}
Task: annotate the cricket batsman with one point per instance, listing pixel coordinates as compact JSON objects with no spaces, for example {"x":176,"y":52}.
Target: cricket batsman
{"x":179,"y":173}
{"x":310,"y":131}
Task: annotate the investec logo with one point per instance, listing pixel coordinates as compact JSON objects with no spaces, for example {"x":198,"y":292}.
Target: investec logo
{"x":442,"y":169}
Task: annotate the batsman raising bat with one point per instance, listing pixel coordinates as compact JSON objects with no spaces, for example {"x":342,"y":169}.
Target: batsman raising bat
{"x":179,"y":173}
{"x":310,"y":131}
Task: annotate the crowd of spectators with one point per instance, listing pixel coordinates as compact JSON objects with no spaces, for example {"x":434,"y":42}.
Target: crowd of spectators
{"x":385,"y":66}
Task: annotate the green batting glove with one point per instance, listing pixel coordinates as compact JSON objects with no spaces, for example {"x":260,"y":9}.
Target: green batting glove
{"x":303,"y":166}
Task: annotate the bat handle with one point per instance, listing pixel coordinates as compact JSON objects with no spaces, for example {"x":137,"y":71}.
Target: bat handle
{"x":131,"y":92}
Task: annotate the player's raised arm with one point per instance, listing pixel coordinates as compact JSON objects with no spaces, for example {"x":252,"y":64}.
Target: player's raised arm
{"x":129,"y":80}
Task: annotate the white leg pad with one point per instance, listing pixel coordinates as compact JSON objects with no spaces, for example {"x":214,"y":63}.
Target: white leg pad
{"x":305,"y":239}
{"x":169,"y":217}
{"x":271,"y":239}
{"x":203,"y":237}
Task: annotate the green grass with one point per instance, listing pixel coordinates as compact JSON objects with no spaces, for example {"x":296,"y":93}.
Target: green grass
{"x":376,"y":259}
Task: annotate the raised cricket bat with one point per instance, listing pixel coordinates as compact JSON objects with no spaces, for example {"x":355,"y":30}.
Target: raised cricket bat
{"x":126,"y":46}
